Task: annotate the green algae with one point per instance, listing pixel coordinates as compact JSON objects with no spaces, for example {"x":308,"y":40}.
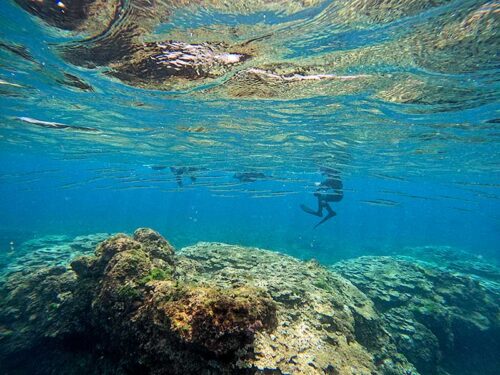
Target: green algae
{"x":128,"y":292}
{"x":156,"y":274}
{"x":322,"y":283}
{"x":53,"y":306}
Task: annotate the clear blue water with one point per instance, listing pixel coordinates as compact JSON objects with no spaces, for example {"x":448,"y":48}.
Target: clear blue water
{"x":411,"y":133}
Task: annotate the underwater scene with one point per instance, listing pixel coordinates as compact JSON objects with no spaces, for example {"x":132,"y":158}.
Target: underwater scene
{"x":249,"y":187}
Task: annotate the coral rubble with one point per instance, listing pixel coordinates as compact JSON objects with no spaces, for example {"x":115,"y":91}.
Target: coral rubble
{"x":137,"y":307}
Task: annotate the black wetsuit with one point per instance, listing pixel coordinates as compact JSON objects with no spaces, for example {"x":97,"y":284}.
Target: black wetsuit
{"x":330,"y":190}
{"x":249,"y":176}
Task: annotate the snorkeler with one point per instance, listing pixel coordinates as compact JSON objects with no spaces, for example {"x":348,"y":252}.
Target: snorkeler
{"x":329,"y":190}
{"x":249,"y":176}
{"x":179,"y":172}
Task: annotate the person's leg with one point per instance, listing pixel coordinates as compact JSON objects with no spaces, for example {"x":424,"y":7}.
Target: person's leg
{"x":331,"y":212}
{"x":319,"y":212}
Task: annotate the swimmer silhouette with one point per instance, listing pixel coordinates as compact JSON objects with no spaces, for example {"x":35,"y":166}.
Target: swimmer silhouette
{"x":179,"y":172}
{"x":249,"y":176}
{"x":329,"y":190}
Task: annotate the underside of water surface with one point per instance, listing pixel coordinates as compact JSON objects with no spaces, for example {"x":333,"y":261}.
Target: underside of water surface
{"x":322,"y":179}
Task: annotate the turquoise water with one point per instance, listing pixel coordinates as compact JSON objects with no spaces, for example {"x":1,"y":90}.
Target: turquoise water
{"x":361,"y":137}
{"x":413,"y":132}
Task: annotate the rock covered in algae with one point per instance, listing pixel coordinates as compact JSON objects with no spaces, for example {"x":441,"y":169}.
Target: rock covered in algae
{"x":127,"y":301}
{"x":36,"y":307}
{"x":137,"y":293}
{"x":443,"y":322}
{"x":138,"y":307}
{"x":325,"y":324}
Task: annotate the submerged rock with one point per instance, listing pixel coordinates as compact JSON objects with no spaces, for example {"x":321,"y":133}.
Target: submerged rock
{"x":213,"y":308}
{"x":47,"y":251}
{"x":443,"y":322}
{"x":137,"y":307}
{"x":325,"y":324}
{"x":127,"y":300}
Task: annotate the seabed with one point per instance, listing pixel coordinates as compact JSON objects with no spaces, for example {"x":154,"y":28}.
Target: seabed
{"x":134,"y":305}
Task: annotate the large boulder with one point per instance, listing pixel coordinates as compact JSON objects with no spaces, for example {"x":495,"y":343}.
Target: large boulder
{"x":128,"y":303}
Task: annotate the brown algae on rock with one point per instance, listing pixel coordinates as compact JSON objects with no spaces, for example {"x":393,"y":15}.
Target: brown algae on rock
{"x":137,"y":307}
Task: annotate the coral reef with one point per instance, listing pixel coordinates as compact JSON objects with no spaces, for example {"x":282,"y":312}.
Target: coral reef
{"x":126,"y":300}
{"x":443,"y":322}
{"x":50,"y":250}
{"x":136,"y":306}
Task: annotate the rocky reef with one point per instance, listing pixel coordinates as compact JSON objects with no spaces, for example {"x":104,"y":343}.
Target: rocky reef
{"x":444,"y":322}
{"x":50,"y":250}
{"x":135,"y":306}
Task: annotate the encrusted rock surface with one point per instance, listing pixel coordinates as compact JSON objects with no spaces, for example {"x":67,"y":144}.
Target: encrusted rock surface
{"x":444,"y":322}
{"x":126,"y":302}
{"x":48,"y":251}
{"x":325,"y":325}
{"x":137,"y":307}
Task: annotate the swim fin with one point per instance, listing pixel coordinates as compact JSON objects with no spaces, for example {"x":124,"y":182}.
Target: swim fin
{"x":327,"y":217}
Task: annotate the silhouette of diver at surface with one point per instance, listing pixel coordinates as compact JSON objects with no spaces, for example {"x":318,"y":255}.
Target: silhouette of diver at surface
{"x":249,"y":176}
{"x":179,"y":173}
{"x":329,"y":190}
